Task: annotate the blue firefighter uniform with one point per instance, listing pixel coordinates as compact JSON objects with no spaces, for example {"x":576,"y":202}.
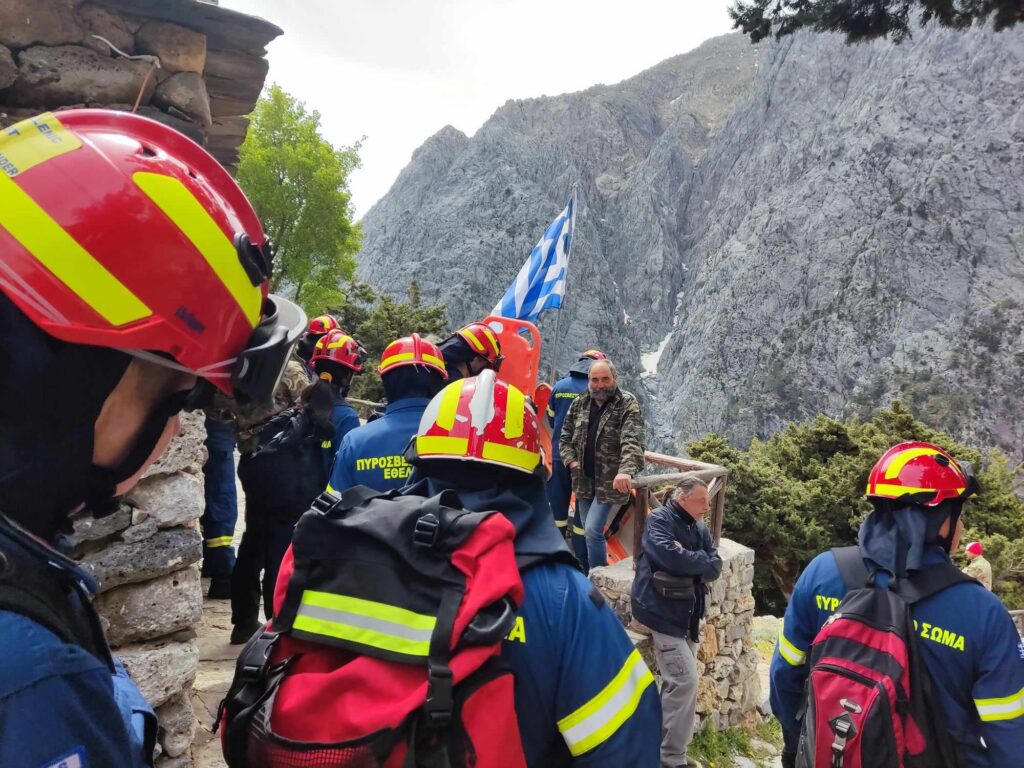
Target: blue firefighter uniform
{"x":344,"y":419}
{"x":583,"y":695}
{"x":559,"y":488}
{"x":373,"y":454}
{"x":968,"y":644}
{"x":60,"y":704}
{"x":221,"y":512}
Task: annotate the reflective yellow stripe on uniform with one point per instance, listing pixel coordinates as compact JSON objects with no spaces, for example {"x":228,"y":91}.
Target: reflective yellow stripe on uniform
{"x":1006,"y":708}
{"x":68,"y":261}
{"x":365,"y":622}
{"x":181,"y":207}
{"x":598,"y":720}
{"x":561,"y":523}
{"x":219,"y":541}
{"x":790,"y":652}
{"x":579,"y":531}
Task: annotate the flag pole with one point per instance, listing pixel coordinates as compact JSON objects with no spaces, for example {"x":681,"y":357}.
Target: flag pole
{"x":558,"y":322}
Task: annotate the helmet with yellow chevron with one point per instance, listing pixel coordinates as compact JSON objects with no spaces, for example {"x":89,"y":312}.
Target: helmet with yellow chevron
{"x":117,"y":231}
{"x":482,"y":420}
{"x":471,"y":350}
{"x":336,"y":351}
{"x":921,"y":473}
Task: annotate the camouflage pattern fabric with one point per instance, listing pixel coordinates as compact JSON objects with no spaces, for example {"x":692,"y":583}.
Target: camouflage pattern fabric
{"x":980,"y":569}
{"x":619,"y":446}
{"x":249,"y":420}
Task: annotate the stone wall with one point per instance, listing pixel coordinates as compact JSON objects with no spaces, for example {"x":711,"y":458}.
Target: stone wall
{"x":729,"y":690}
{"x":211,"y":63}
{"x":144,"y":558}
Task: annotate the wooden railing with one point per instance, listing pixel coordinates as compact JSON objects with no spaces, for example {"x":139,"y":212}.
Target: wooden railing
{"x":650,"y":486}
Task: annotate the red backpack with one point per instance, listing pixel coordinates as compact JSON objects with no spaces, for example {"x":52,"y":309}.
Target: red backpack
{"x":384,"y":651}
{"x":868,"y":697}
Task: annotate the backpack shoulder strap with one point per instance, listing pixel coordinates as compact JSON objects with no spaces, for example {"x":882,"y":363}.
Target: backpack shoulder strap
{"x":851,"y":567}
{"x":932,"y":580}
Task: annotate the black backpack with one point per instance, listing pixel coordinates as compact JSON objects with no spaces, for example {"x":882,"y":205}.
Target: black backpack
{"x":869,"y":698}
{"x":286,"y":472}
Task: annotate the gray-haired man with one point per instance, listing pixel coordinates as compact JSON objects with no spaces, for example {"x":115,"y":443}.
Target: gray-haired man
{"x":677,"y":559}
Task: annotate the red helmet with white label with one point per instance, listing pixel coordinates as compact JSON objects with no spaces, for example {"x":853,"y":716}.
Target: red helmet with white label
{"x":480,"y":419}
{"x":118,"y":231}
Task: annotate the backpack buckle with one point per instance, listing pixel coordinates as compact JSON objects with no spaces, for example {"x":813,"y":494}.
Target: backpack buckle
{"x":325,"y":502}
{"x":425,"y":534}
{"x":843,"y":729}
{"x":439,"y":702}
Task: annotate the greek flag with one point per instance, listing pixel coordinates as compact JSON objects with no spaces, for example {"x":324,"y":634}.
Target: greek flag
{"x":540,"y":284}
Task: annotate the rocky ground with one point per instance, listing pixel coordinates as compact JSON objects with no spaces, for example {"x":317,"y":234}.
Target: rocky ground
{"x":216,"y":667}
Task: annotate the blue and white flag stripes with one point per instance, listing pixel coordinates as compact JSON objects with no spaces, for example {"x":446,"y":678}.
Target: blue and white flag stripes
{"x":540,"y":284}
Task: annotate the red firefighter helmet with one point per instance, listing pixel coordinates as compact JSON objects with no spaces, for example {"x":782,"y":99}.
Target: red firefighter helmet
{"x":920,"y":473}
{"x":480,"y":419}
{"x":117,"y":231}
{"x":482,"y":340}
{"x":318,"y":326}
{"x":412,"y":350}
{"x":338,"y":347}
{"x":593,"y":354}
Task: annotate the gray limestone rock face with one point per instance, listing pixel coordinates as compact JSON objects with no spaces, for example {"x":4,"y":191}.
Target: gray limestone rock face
{"x":8,"y":69}
{"x":764,"y":233}
{"x":138,"y":612}
{"x":125,"y":563}
{"x":177,"y":725}
{"x":185,"y":91}
{"x":161,"y":670}
{"x":186,"y":452}
{"x":27,"y":22}
{"x":93,"y":529}
{"x":169,"y":500}
{"x":179,"y":49}
{"x":72,"y":74}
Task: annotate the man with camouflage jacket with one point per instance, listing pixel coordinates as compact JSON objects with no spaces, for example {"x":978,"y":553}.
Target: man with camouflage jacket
{"x":602,"y":444}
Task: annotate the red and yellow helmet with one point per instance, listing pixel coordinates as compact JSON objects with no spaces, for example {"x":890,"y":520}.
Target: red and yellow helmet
{"x":480,"y":419}
{"x":482,"y":340}
{"x":412,"y":350}
{"x":318,"y":326}
{"x":118,"y":231}
{"x":920,"y":473}
{"x":593,"y":354}
{"x":338,"y":347}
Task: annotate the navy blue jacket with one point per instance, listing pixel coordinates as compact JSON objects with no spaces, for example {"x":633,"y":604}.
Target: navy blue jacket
{"x":343,"y":419}
{"x":565,"y":391}
{"x":373,"y":454}
{"x":677,"y":544}
{"x":968,"y":644}
{"x":62,"y":706}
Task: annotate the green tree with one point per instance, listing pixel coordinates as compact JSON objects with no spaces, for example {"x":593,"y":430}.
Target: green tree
{"x":298,"y":183}
{"x":376,"y":320}
{"x":801,"y":491}
{"x":867,"y":19}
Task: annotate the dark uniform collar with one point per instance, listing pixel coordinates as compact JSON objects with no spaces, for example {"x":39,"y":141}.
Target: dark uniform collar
{"x":406,"y":404}
{"x":681,"y":513}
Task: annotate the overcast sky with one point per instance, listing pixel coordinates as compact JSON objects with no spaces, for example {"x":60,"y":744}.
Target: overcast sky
{"x":397,"y":71}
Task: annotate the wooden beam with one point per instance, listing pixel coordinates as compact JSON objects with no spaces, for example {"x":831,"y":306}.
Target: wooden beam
{"x":673,"y":478}
{"x":687,"y":465}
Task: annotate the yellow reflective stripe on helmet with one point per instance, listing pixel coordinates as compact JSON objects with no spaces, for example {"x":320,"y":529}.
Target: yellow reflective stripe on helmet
{"x":182,"y":208}
{"x":399,"y":358}
{"x":790,"y":652}
{"x":30,"y":142}
{"x":219,"y":541}
{"x":442,"y":444}
{"x":427,"y":358}
{"x":597,"y":720}
{"x":490,"y":336}
{"x":366,"y":622}
{"x":515,"y":410}
{"x":449,"y":405}
{"x":339,"y":343}
{"x":473,"y":340}
{"x":1005,"y":708}
{"x":510,"y":455}
{"x":900,"y":460}
{"x":887,"y":489}
{"x":68,"y":261}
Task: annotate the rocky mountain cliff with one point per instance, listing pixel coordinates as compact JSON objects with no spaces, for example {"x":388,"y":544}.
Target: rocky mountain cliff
{"x":765,"y":233}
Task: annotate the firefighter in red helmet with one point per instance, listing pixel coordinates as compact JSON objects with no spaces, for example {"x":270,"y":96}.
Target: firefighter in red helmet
{"x":129,"y":255}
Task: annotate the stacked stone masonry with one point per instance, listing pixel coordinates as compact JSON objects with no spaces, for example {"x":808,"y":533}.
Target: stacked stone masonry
{"x":145,"y":558}
{"x":56,"y":54}
{"x":729,"y":690}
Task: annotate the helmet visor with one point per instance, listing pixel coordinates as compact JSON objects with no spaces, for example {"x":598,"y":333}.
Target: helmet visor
{"x":261,"y":365}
